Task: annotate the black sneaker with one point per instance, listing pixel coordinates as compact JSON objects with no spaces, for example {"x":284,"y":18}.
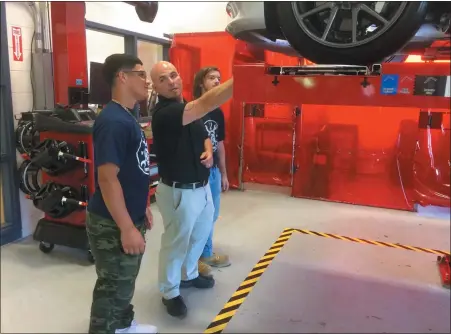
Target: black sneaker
{"x":200,"y":282}
{"x":175,"y":306}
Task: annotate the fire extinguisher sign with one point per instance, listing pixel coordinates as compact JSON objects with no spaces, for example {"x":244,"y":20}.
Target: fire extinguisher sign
{"x":17,"y":43}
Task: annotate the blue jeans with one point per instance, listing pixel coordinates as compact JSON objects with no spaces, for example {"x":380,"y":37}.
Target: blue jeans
{"x":216,"y":188}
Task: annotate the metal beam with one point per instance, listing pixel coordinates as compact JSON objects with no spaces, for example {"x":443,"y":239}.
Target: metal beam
{"x":415,"y":85}
{"x":122,"y":32}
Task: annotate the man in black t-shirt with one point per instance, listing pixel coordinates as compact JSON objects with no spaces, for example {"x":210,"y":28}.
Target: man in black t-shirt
{"x":206,"y":79}
{"x":117,"y":214}
{"x":184,"y":155}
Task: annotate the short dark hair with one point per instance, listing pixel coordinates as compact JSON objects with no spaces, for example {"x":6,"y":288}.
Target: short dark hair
{"x":199,"y":79}
{"x":117,"y":62}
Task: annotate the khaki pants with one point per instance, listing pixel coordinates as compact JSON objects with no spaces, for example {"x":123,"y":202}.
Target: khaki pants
{"x":187,"y":219}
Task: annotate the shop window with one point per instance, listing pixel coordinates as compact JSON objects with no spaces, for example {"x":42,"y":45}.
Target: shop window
{"x":100,"y":45}
{"x":149,"y":53}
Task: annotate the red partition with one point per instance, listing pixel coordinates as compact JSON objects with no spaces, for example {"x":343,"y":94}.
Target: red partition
{"x":371,"y":156}
{"x":268,"y":144}
{"x":269,"y":136}
{"x":377,"y":156}
{"x":431,"y":163}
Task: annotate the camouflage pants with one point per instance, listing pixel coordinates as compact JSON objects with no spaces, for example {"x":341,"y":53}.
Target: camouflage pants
{"x":116,"y":275}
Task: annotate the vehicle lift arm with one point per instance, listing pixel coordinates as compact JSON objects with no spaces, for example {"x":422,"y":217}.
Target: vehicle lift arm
{"x":417,"y":85}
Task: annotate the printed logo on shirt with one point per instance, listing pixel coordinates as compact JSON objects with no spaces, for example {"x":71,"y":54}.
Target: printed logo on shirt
{"x":142,"y":155}
{"x":212,"y":128}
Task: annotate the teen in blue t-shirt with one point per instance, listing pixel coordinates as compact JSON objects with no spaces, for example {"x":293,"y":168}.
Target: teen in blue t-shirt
{"x":118,"y":139}
{"x":117,"y":215}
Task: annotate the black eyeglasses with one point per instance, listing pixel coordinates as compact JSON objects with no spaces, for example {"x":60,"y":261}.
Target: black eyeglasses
{"x":141,"y":74}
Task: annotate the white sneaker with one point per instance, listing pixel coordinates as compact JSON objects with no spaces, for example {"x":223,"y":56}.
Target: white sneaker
{"x":136,"y":328}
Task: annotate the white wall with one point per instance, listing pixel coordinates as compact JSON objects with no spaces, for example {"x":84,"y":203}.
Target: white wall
{"x":182,"y":17}
{"x":18,"y":15}
{"x":172,"y":17}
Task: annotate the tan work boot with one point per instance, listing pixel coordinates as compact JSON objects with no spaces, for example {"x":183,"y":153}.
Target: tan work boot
{"x":217,"y":260}
{"x":204,"y":269}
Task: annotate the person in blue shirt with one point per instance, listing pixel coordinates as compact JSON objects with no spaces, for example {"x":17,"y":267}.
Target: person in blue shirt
{"x":117,"y":215}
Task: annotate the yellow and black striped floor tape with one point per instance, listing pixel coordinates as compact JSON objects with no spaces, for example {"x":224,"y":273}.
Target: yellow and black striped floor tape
{"x":231,"y":307}
{"x":224,"y":316}
{"x":371,"y":242}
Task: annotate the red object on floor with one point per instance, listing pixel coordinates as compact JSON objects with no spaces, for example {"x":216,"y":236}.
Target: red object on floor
{"x":444,"y":267}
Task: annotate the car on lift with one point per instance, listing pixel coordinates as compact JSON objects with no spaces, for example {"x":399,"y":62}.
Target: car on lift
{"x":341,"y":32}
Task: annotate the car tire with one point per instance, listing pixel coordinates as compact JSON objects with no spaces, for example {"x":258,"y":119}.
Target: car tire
{"x":371,"y":52}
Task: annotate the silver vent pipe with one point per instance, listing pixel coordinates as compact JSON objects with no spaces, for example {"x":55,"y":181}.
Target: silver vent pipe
{"x":41,"y":57}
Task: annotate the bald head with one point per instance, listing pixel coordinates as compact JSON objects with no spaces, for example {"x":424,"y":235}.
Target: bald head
{"x":166,"y":80}
{"x":160,"y":67}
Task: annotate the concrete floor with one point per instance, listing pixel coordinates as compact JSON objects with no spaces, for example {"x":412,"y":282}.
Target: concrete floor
{"x":313,"y":285}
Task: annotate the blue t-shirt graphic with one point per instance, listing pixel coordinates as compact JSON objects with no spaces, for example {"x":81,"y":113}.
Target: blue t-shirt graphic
{"x":118,"y":139}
